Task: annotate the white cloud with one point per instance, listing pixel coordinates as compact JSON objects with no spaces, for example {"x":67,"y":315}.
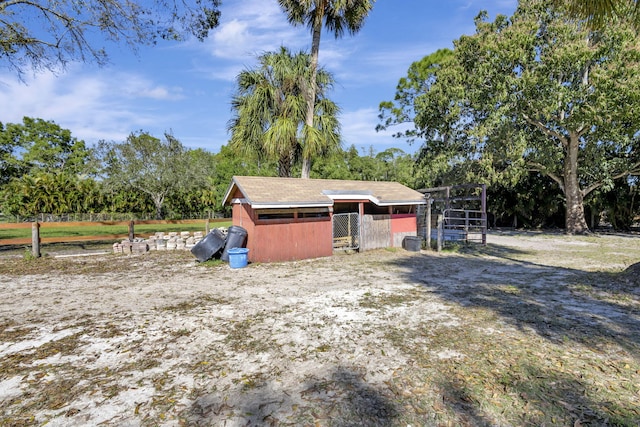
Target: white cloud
{"x":252,"y":27}
{"x":359,"y":130}
{"x":229,"y":37}
{"x":94,"y":106}
{"x":135,"y":86}
{"x":482,"y":4}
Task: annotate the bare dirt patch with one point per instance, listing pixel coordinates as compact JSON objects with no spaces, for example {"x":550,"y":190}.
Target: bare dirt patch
{"x":532,"y":329}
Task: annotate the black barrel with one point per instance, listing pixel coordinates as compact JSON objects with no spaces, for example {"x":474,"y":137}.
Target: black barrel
{"x":236,"y":238}
{"x":206,"y":248}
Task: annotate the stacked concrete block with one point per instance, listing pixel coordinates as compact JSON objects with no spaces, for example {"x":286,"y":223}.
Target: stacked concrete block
{"x":161,"y":245}
{"x":161,"y":241}
{"x":171,"y":243}
{"x":127,"y":247}
{"x":180,"y":244}
{"x":139,"y":246}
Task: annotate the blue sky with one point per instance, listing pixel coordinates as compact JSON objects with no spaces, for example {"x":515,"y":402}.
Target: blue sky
{"x":186,"y":88}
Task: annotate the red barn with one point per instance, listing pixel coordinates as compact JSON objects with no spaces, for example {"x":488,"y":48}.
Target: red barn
{"x":292,"y":218}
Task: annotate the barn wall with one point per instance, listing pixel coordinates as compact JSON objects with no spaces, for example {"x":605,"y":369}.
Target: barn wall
{"x":302,"y":238}
{"x":288,"y":241}
{"x":403,"y":225}
{"x":242,"y":216}
{"x":283,"y":239}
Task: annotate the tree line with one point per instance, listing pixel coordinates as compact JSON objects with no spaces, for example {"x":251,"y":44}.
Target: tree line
{"x":45,"y":169}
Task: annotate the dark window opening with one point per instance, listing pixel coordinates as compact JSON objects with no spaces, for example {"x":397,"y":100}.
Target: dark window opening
{"x":372,"y":209}
{"x":267,"y":216}
{"x":313,"y":214}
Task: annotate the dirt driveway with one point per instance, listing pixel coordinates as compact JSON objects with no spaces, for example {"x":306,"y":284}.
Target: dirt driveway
{"x":532,"y":329}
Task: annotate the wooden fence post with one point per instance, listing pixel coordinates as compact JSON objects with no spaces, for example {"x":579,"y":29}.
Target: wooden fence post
{"x":207,"y":227}
{"x":35,"y":239}
{"x":484,"y":213}
{"x":440,"y":223}
{"x":131,"y":233}
{"x":428,"y":221}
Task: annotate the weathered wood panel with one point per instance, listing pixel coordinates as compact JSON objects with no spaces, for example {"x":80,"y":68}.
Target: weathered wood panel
{"x":376,"y":232}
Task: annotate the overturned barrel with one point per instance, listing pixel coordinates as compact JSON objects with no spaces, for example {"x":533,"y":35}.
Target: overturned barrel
{"x":208,"y":247}
{"x":236,"y":238}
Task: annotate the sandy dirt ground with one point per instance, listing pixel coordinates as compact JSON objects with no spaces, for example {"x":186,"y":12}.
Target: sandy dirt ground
{"x":158,"y":339}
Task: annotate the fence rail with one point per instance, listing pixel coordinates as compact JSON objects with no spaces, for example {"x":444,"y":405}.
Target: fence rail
{"x":82,"y":238}
{"x":98,"y":217}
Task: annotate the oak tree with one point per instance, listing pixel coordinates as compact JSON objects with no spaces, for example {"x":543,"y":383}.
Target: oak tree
{"x":538,"y":92}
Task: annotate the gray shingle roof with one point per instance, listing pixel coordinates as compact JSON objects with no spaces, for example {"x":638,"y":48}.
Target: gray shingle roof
{"x":295,"y":192}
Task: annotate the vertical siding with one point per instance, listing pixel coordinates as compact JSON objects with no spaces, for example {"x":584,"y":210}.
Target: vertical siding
{"x":376,"y":232}
{"x":382,"y":231}
{"x":272,"y":241}
{"x":291,"y":241}
{"x":243,"y":217}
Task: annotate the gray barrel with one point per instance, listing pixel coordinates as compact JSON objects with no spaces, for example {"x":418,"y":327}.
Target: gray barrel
{"x":236,"y":238}
{"x":412,"y":243}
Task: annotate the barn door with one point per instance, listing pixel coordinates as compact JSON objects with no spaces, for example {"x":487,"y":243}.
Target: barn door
{"x":346,"y":231}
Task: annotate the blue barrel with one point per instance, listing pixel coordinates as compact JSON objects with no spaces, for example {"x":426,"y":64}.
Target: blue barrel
{"x":238,"y":257}
{"x":236,"y":238}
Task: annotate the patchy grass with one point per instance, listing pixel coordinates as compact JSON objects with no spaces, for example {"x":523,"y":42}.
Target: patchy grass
{"x":385,"y":300}
{"x":11,"y":332}
{"x":211,"y":263}
{"x":479,"y":379}
{"x":109,"y":263}
{"x":530,"y":331}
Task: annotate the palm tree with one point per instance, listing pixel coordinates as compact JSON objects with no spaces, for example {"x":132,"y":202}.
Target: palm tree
{"x":338,"y":16}
{"x":599,"y":12}
{"x":270,"y":109}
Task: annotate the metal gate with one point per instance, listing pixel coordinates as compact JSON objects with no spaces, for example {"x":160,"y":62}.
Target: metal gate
{"x":464,"y":225}
{"x":346,"y":231}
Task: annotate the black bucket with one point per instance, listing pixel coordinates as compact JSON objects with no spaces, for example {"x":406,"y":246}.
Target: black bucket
{"x":412,"y":243}
{"x":236,"y":238}
{"x":208,"y":247}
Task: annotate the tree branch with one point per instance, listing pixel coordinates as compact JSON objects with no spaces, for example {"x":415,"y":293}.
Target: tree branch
{"x":545,"y":130}
{"x":46,"y":34}
{"x":633,"y":170}
{"x":538,"y":167}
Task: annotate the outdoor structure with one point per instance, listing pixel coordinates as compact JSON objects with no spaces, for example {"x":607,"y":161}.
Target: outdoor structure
{"x":456,"y":213}
{"x":291,"y":218}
